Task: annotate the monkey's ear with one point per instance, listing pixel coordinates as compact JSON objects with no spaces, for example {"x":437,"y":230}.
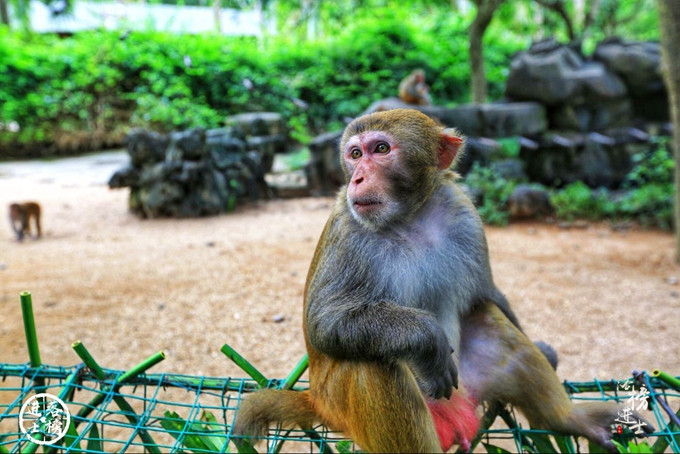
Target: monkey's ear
{"x":450,"y":142}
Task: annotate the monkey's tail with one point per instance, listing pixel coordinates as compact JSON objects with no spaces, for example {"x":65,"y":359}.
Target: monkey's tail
{"x":269,"y":406}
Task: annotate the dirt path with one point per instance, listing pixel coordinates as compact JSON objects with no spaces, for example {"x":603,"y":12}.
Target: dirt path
{"x":608,"y":302}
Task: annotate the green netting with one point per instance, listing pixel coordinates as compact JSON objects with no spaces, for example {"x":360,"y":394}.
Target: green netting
{"x":136,"y":411}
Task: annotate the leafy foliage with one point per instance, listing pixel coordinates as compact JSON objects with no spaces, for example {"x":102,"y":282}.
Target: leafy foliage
{"x":495,"y":191}
{"x":100,"y":84}
{"x":647,"y":195}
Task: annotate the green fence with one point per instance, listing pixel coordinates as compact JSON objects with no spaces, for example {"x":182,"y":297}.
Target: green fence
{"x":136,"y":411}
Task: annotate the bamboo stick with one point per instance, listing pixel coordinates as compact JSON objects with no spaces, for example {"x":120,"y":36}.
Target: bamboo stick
{"x":29,"y":329}
{"x":243,"y":363}
{"x":666,"y":378}
{"x":296,"y":373}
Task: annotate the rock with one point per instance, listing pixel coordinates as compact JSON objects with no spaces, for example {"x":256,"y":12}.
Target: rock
{"x":593,"y":116}
{"x":189,"y":145}
{"x":324,"y":171}
{"x":513,"y":119}
{"x":258,"y":123}
{"x":580,"y":95}
{"x":125,"y":177}
{"x":510,"y":169}
{"x":199,"y":173}
{"x":637,"y":63}
{"x":528,"y":201}
{"x":146,"y":147}
{"x":477,"y":149}
{"x":501,"y":119}
{"x":267,"y":146}
{"x":596,"y":159}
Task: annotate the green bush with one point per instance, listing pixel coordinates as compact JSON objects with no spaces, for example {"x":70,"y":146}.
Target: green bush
{"x":91,"y":88}
{"x":494,"y":193}
{"x":646,"y":196}
{"x":649,"y":196}
{"x":578,"y":201}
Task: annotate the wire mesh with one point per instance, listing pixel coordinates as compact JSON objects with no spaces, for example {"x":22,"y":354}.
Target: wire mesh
{"x":183,"y":413}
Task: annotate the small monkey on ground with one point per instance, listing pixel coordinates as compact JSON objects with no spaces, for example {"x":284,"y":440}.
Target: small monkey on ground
{"x":20,"y":215}
{"x":414,"y":90}
{"x":399,"y":292}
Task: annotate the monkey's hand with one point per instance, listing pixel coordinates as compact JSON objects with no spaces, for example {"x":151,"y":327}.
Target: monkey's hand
{"x":435,"y":370}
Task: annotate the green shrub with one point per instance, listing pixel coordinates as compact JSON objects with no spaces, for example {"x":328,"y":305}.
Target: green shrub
{"x":578,"y":201}
{"x":494,"y":193}
{"x":646,"y":196}
{"x":100,"y":84}
{"x":649,"y":195}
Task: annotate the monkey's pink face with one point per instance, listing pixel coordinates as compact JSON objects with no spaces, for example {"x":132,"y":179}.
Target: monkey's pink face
{"x":370,"y":158}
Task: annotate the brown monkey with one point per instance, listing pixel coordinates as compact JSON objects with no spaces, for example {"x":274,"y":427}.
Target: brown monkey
{"x":20,"y":215}
{"x":414,"y":90}
{"x":402,"y":266}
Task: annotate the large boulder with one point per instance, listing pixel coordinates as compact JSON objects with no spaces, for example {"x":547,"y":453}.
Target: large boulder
{"x":580,"y":95}
{"x":639,"y":66}
{"x":146,"y":147}
{"x":324,"y":172}
{"x":197,"y":172}
{"x":501,"y":119}
{"x":598,"y":160}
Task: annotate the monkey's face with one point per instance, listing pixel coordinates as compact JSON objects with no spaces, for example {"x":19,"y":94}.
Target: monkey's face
{"x":391,"y":161}
{"x":374,"y":162}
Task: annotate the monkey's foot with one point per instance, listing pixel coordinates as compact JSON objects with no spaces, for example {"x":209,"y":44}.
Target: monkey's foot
{"x":455,"y":420}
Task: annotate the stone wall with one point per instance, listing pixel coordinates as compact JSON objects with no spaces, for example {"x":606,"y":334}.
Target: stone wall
{"x":197,"y":172}
{"x":577,"y":118}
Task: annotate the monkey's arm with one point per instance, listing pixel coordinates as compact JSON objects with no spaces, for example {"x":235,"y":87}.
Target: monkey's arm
{"x":349,"y":329}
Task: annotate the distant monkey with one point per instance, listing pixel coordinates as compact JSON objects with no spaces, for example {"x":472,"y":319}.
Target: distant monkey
{"x":414,"y":90}
{"x":400,"y":287}
{"x":20,"y":215}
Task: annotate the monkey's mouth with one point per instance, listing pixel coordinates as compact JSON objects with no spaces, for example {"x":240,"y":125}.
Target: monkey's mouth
{"x":366,"y":204}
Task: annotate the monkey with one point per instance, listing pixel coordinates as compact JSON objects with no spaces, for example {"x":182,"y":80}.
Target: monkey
{"x":399,"y":277}
{"x":414,"y":90}
{"x":20,"y":215}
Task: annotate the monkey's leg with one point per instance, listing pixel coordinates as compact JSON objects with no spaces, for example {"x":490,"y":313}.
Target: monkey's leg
{"x":379,"y":406}
{"x":499,"y":363}
{"x":37,"y":223}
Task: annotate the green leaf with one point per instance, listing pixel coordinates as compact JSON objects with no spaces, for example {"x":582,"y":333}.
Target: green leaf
{"x":344,"y":446}
{"x":565,"y":443}
{"x":178,"y":427}
{"x":541,"y":442}
{"x":94,"y":442}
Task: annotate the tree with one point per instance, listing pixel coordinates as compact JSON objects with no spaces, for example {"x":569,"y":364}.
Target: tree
{"x":485,"y":11}
{"x":4,"y":12}
{"x":669,"y":22}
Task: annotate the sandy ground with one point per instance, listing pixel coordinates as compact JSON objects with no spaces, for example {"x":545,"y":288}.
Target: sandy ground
{"x":609,"y":302}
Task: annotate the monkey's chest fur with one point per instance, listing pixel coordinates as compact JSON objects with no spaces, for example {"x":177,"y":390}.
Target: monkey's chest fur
{"x":426,"y":264}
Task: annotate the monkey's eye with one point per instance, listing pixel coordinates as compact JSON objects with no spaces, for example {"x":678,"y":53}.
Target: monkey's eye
{"x":355,"y":153}
{"x":382,"y":147}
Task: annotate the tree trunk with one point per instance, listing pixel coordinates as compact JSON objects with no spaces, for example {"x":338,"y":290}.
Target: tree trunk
{"x":217,"y":15}
{"x":485,"y":10}
{"x":669,"y":20}
{"x":4,"y":12}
